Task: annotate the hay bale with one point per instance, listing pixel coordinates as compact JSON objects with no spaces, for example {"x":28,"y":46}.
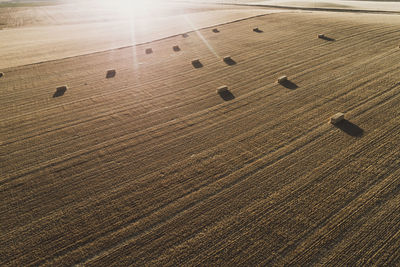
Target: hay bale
{"x":224,"y":93}
{"x":338,"y":117}
{"x":215,"y":30}
{"x":149,"y":50}
{"x":111,"y":74}
{"x":196,"y":63}
{"x":185,"y":35}
{"x":227,"y":58}
{"x":222,"y":89}
{"x":229,"y":61}
{"x":60,"y":91}
{"x":1,"y":74}
{"x":321,"y":36}
{"x":282,"y":79}
{"x":176,"y":48}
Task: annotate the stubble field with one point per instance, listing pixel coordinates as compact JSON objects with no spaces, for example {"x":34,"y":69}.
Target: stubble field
{"x":153,"y":167}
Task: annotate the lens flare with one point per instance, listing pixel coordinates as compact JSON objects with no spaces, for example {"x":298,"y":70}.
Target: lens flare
{"x":131,"y":7}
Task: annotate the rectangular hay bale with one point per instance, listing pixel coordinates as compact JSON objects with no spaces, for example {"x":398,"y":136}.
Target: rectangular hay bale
{"x":197,"y":64}
{"x":60,"y":91}
{"x":222,"y":89}
{"x":227,"y":58}
{"x":282,"y":79}
{"x":338,"y":117}
{"x":111,"y":74}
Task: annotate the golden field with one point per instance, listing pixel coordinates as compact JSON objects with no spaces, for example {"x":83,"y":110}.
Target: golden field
{"x":153,"y":167}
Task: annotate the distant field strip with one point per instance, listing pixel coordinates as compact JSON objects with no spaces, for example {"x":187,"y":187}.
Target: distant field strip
{"x":153,"y":167}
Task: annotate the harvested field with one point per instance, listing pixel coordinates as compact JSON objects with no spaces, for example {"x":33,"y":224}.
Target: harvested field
{"x":153,"y":167}
{"x":69,"y":29}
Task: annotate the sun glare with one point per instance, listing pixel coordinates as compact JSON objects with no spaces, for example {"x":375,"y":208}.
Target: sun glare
{"x":136,"y":7}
